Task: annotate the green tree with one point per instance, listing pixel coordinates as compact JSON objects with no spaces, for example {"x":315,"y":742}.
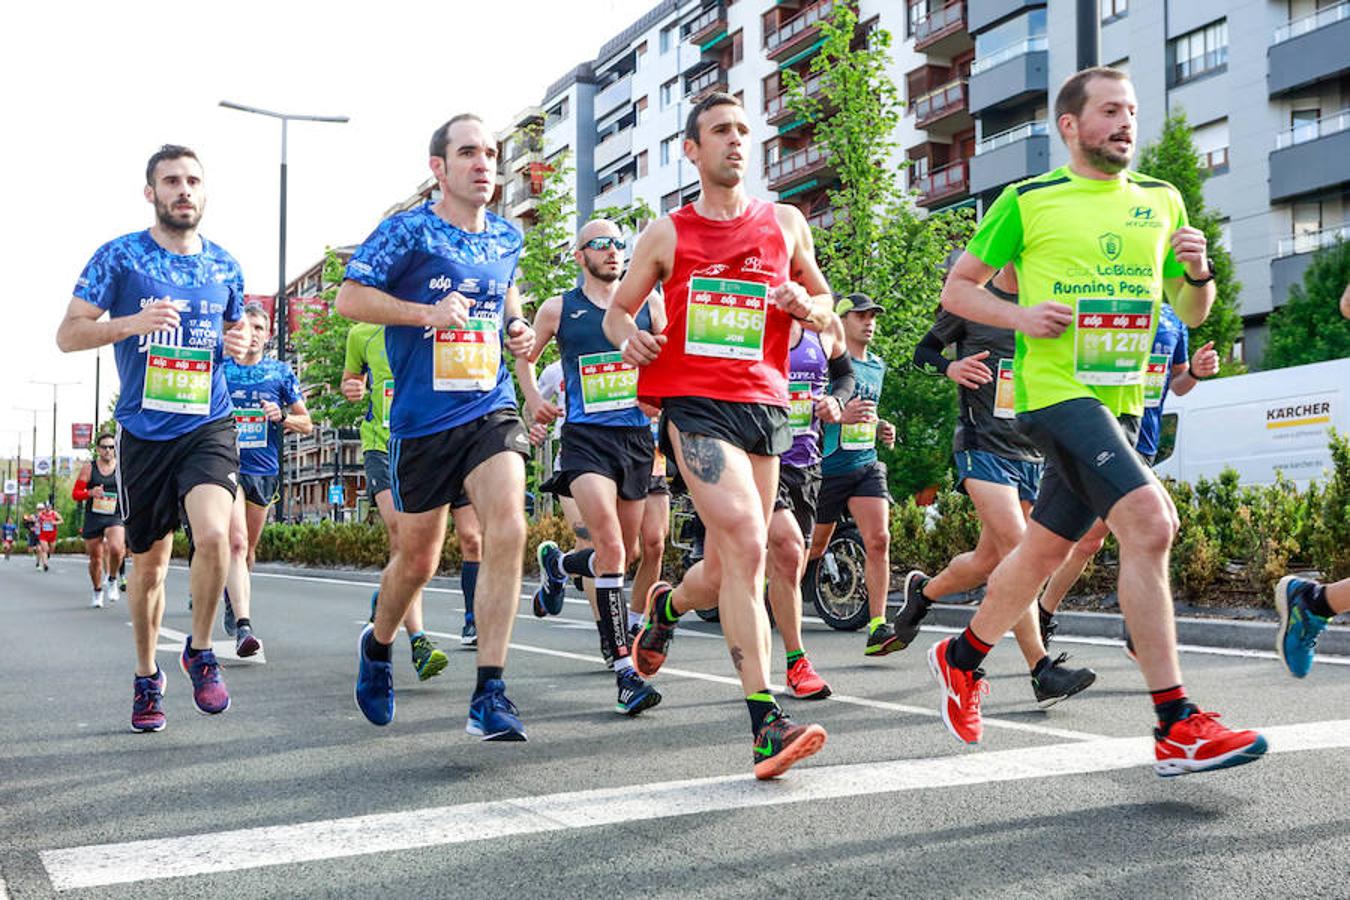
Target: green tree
{"x":1174,"y":159}
{"x":631,"y":218}
{"x":1310,"y":328}
{"x":546,"y":266}
{"x":321,"y":349}
{"x":879,"y":243}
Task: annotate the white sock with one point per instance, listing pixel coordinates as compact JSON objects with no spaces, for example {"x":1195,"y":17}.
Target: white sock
{"x":634,"y":618}
{"x":623,"y":664}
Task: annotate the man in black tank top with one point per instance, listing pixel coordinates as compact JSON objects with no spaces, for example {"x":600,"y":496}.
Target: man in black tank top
{"x":104,"y":537}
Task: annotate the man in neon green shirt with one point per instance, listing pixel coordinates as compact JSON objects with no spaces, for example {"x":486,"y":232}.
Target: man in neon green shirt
{"x":366,"y":366}
{"x":1096,"y":247}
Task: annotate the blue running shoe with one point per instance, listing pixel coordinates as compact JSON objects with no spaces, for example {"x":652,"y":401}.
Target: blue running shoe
{"x":635,"y":695}
{"x":208,"y":688}
{"x":552,"y":581}
{"x":1296,"y":639}
{"x":374,"y":683}
{"x":492,"y":716}
{"x":230,"y":620}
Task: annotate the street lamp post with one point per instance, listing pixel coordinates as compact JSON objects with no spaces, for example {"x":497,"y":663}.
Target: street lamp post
{"x":32,"y":463}
{"x":51,"y":491}
{"x":283,"y":321}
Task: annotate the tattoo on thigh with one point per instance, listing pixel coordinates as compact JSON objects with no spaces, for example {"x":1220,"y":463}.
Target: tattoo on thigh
{"x":704,"y":457}
{"x":582,"y":532}
{"x":737,"y":657}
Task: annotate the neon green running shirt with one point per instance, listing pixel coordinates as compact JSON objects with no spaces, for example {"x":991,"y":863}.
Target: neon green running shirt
{"x":365,"y":354}
{"x":1102,"y":248}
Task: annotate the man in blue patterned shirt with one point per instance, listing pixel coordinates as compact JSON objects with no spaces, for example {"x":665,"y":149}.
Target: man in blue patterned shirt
{"x":441,"y":279}
{"x":173,"y":301}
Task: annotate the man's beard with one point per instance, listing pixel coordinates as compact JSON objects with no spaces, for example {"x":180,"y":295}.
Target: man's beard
{"x":601,"y":274}
{"x":1105,"y":159}
{"x":166,"y":216}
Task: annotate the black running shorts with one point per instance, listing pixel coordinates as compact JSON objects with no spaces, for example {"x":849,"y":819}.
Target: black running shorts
{"x":755,"y":428}
{"x":428,"y":472}
{"x":798,"y":491}
{"x":837,"y":490}
{"x":622,"y":454}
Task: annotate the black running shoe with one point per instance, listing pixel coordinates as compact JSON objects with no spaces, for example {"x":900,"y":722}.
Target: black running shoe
{"x":1059,"y":682}
{"x":906,"y":621}
{"x":883,"y":640}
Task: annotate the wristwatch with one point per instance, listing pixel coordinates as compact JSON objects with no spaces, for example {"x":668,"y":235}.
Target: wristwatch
{"x":284,"y":415}
{"x":1201,"y":282}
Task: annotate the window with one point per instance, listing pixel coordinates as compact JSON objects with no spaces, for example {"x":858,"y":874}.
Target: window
{"x":1199,"y":52}
{"x":556,"y":114}
{"x":1011,"y":33}
{"x":1121,"y":65}
{"x":737,"y":47}
{"x":667,"y":37}
{"x":918,"y":11}
{"x":640,"y":111}
{"x":642,"y":164}
{"x":1114,"y":9}
{"x":669,"y":147}
{"x":1211,"y":142}
{"x":1303,"y":122}
{"x":668,"y":93}
{"x":1307,"y":221}
{"x":639,"y":53}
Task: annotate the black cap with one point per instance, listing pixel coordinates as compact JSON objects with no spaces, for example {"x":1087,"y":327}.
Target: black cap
{"x":857,"y":302}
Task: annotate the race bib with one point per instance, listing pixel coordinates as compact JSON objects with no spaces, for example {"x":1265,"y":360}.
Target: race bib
{"x":388,"y":401}
{"x":1154,"y":378}
{"x":467,"y":358}
{"x":607,"y":382}
{"x":726,"y":318}
{"x":801,"y":407}
{"x":1112,"y":340}
{"x":103,"y":506}
{"x":177,"y":380}
{"x":858,"y":436}
{"x":1003,"y":391}
{"x":251,"y":427}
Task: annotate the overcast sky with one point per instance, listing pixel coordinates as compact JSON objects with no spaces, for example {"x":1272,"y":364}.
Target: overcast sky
{"x":91,"y":89}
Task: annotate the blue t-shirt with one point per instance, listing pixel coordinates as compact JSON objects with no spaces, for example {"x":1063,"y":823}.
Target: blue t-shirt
{"x":260,"y":442}
{"x":131,"y":272}
{"x":850,"y":447}
{"x":11,"y":531}
{"x":441,"y":374}
{"x":1170,"y":341}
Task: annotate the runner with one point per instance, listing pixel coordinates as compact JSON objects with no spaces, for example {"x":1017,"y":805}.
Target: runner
{"x":605,"y":464}
{"x":719,"y":372}
{"x":1000,"y":470}
{"x":10,"y":532}
{"x":820,"y":384}
{"x":1170,"y":371}
{"x":174,"y":300}
{"x":30,"y":530}
{"x":1305,"y":608}
{"x":268,"y":402}
{"x":48,"y":520}
{"x":1078,"y":389}
{"x":104,"y":536}
{"x":366,"y":368}
{"x":853,"y":479}
{"x":441,"y":278}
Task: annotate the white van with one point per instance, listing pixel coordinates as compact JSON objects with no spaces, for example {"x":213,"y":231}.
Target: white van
{"x":1257,"y":424}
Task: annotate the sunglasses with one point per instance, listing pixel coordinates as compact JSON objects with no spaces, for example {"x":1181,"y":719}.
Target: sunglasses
{"x":107,"y":446}
{"x":604,"y":243}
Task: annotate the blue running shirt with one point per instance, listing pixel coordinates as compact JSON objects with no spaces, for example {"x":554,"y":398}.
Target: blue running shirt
{"x":445,"y":377}
{"x":260,"y":441}
{"x":131,"y":272}
{"x":1169,"y":349}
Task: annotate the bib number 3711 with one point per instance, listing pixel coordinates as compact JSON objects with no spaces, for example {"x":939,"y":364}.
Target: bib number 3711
{"x":467,"y":358}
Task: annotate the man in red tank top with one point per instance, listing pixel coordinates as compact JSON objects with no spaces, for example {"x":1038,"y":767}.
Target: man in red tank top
{"x":736,"y":271}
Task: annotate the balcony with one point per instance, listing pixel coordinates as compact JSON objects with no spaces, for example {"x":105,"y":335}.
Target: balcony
{"x":1008,"y":76}
{"x":1215,"y":162}
{"x":524,"y":152}
{"x":1010,"y":156}
{"x":795,"y":167}
{"x":522,"y":200}
{"x":941,"y":104}
{"x":614,"y":96}
{"x":705,"y":26}
{"x":943,"y":32}
{"x":1309,"y":50}
{"x":983,"y":13}
{"x":1311,"y":157}
{"x":711,"y":79}
{"x":617,"y":195}
{"x":947,"y":183}
{"x":778,"y":110}
{"x":1294,"y":254}
{"x":613,"y":148}
{"x":797,"y":33}
{"x":823,"y":219}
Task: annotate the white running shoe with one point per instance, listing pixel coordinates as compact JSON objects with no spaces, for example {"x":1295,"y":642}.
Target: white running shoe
{"x":97,"y":602}
{"x":110,"y":592}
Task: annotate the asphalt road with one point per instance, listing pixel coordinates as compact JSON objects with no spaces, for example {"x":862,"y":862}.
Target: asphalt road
{"x":292,"y":793}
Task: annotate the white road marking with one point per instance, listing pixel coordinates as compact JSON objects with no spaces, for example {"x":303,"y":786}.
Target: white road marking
{"x":222,"y":649}
{"x":194,"y":855}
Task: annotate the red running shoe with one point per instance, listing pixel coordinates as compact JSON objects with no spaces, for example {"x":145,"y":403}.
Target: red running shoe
{"x":961,"y":694}
{"x":804,"y":683}
{"x":652,"y":641}
{"x":1198,"y":743}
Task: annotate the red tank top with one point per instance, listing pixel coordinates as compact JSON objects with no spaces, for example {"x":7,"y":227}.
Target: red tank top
{"x":725,"y":339}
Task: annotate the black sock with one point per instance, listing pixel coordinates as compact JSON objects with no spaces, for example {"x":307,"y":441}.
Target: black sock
{"x":376,"y":651}
{"x":1046,"y":616}
{"x":1316,"y":600}
{"x":486,"y":674}
{"x":578,"y":562}
{"x":1040,"y":667}
{"x":242,"y":623}
{"x":192,"y":651}
{"x":760,"y":705}
{"x":613,"y":611}
{"x":1171,"y":704}
{"x":967,"y":651}
{"x":468,"y":583}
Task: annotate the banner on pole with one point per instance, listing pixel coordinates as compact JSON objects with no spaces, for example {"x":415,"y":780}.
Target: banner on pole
{"x":25,"y":476}
{"x":42,"y":466}
{"x":80,"y":435}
